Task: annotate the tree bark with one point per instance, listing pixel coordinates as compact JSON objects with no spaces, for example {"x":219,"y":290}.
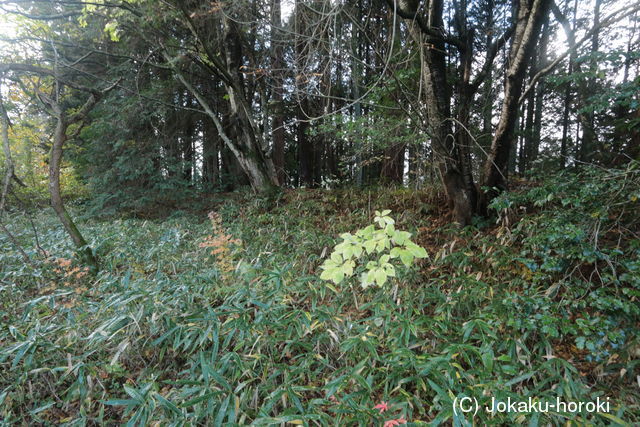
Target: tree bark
{"x":569,"y":31}
{"x":393,"y":164}
{"x":528,"y":130}
{"x":356,"y":77}
{"x":539,"y":98}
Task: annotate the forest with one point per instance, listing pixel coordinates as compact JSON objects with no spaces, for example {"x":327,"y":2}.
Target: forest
{"x":320,"y":212}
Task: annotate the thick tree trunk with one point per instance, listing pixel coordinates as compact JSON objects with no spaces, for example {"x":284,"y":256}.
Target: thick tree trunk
{"x":451,"y":152}
{"x":232,"y":173}
{"x":465,"y":97}
{"x":451,"y":159}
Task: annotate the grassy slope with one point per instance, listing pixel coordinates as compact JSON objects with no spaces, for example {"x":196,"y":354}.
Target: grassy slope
{"x":169,"y":332}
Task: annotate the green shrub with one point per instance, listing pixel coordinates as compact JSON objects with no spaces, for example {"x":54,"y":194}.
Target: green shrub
{"x":371,"y":252}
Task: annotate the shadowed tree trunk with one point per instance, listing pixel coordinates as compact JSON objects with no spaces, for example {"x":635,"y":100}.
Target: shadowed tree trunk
{"x":188,"y":150}
{"x":356,"y":73}
{"x":306,"y":147}
{"x":451,"y":160}
{"x":249,"y":150}
{"x":539,"y":98}
{"x":528,"y":117}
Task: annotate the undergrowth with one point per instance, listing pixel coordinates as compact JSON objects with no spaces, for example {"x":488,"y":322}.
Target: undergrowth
{"x":186,"y":324}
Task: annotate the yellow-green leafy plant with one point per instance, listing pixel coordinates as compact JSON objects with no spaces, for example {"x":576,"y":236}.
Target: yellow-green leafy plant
{"x":372,"y":252}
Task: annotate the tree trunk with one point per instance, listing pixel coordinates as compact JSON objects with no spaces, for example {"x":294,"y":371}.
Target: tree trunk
{"x":55,"y":162}
{"x":356,"y":77}
{"x":531,"y":14}
{"x":232,"y":173}
{"x":589,"y":143}
{"x":248,"y":147}
{"x":210,"y":150}
{"x":465,"y":95}
{"x":305,"y":149}
{"x":540,"y":90}
{"x":393,"y":164}
{"x":487,"y":90}
{"x":450,"y":158}
{"x":564,"y":144}
{"x":277,"y":62}
{"x":250,"y":150}
{"x":451,"y":152}
{"x":187,"y":150}
{"x":528,"y":129}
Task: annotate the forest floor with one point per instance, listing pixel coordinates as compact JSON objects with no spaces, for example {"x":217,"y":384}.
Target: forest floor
{"x":225,"y":321}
